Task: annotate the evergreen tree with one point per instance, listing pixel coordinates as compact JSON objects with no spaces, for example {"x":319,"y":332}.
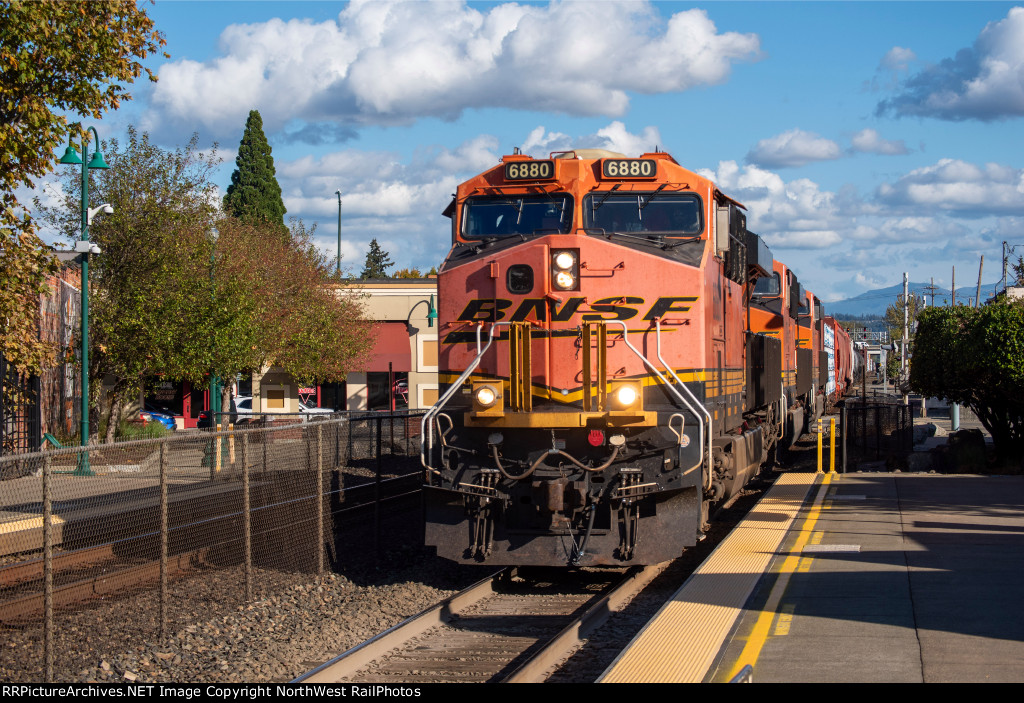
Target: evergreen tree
{"x":254,"y":194}
{"x":377,"y":263}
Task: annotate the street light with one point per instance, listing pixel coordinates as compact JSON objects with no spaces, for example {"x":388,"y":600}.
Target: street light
{"x":86,"y":249}
{"x":338,"y":193}
{"x":215,"y":404}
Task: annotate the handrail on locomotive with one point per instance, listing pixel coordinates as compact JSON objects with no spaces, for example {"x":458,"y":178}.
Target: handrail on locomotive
{"x":426,"y":424}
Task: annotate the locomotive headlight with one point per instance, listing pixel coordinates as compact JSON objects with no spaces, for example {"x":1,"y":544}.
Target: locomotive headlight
{"x":626,"y":395}
{"x":565,"y":269}
{"x":564,"y":260}
{"x":564,"y":280}
{"x":486,"y":396}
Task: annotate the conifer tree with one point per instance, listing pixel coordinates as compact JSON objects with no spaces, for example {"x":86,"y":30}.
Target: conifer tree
{"x":254,"y":194}
{"x":377,"y":263}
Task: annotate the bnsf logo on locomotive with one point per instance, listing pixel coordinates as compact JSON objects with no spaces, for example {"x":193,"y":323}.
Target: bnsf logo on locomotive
{"x":621,"y":307}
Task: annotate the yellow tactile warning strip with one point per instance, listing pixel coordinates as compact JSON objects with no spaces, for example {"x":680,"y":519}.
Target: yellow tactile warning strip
{"x":681,"y":642}
{"x":19,"y":522}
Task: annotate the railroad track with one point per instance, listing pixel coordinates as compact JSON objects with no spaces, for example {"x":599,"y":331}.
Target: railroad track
{"x":500,"y":630}
{"x":97,"y":571}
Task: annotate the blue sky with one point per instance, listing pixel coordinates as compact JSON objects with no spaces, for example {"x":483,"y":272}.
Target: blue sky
{"x":866,"y":139}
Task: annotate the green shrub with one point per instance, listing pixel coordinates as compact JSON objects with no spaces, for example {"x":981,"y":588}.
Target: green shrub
{"x":129,"y":430}
{"x":975,"y":357}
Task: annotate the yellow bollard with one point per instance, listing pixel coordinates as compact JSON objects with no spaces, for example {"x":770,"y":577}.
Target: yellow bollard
{"x":832,"y":447}
{"x":231,"y":444}
{"x":216,"y":451}
{"x":819,"y":447}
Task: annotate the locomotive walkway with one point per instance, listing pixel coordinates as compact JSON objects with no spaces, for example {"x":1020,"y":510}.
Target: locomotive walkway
{"x":876,"y":578}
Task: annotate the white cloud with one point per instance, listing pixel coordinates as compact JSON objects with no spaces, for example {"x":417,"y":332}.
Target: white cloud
{"x":984,"y":82}
{"x":804,"y":240}
{"x":959,"y":187}
{"x":796,"y":214}
{"x":793,"y":148}
{"x":613,"y":137}
{"x":898,"y":58}
{"x":869,"y":141}
{"x":392,"y":62}
{"x":394,"y":198}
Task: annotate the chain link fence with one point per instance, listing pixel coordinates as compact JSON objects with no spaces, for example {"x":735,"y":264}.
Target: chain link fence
{"x":243,"y":508}
{"x":875,"y":428}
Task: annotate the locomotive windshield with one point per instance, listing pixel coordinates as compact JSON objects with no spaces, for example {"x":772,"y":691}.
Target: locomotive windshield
{"x":517,"y":215}
{"x":655,"y":214}
{"x":768,"y":286}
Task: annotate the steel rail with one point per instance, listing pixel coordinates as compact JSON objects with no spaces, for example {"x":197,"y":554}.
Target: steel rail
{"x":559,"y":647}
{"x":348,"y":662}
{"x":22,"y":574}
{"x":539,"y":662}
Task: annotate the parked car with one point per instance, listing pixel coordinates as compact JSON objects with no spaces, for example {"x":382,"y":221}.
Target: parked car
{"x":153,"y":413}
{"x":239,"y":413}
{"x":241,"y":410}
{"x":311,"y":413}
{"x":401,"y":390}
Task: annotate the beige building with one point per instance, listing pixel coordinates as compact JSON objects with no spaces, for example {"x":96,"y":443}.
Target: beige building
{"x":401,"y":372}
{"x":406,"y":347}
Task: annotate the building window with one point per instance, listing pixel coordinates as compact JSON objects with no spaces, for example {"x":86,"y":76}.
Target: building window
{"x":427,"y":394}
{"x":274,"y":398}
{"x":381,"y":388}
{"x":426,"y":357}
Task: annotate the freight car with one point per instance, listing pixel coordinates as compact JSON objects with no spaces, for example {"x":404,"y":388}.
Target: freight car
{"x":617,"y":354}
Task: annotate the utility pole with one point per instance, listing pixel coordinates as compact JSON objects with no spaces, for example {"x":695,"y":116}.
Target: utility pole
{"x":931,"y":290}
{"x":977,"y":295}
{"x":954,"y":285}
{"x":903,"y":346}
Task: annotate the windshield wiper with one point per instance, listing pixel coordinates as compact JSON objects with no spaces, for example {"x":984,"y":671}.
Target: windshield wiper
{"x":606,"y":196}
{"x":682,"y":240}
{"x":626,"y":235}
{"x":651,"y":196}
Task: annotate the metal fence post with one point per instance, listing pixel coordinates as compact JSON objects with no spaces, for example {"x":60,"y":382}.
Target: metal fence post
{"x":349,"y":454}
{"x":247,"y":510}
{"x":48,"y":644}
{"x":376,"y":493}
{"x":163,"y":538}
{"x":320,"y":499}
{"x":864,"y":428}
{"x":878,"y":434}
{"x":843,"y":428}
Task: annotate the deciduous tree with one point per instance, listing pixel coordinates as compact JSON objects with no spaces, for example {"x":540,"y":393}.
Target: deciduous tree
{"x":56,"y":58}
{"x":149,"y":305}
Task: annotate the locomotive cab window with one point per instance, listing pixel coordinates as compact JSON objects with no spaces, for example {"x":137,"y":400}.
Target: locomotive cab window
{"x":652,"y":215}
{"x":518,"y":215}
{"x":768,"y":286}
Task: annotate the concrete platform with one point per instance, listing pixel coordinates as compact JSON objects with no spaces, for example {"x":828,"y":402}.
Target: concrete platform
{"x":880,"y":578}
{"x":923,"y":583}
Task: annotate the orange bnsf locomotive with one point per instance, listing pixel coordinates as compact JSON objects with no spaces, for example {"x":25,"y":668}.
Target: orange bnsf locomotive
{"x":617,"y":354}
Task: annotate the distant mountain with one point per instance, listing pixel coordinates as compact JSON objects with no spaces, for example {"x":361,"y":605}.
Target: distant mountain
{"x":874,"y":302}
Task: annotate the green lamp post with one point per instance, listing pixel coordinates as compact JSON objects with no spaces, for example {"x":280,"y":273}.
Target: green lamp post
{"x":86,"y":249}
{"x":215,"y":404}
{"x":431,"y":312}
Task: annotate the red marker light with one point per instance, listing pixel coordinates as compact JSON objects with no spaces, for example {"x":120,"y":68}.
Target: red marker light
{"x":596,"y":438}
